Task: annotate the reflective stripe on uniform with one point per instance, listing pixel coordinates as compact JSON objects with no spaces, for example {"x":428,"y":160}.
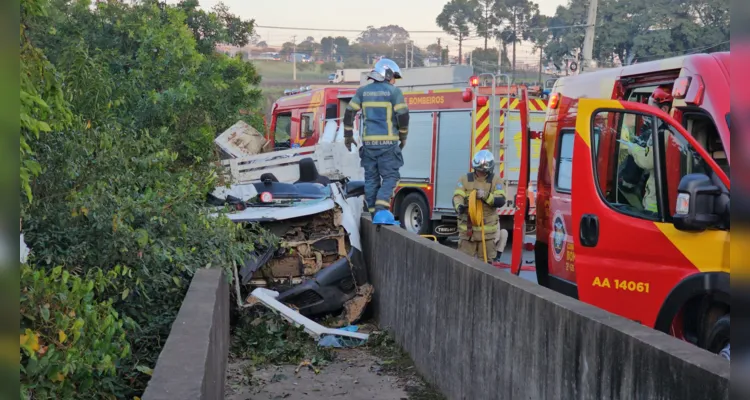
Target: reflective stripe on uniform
{"x":475,"y":228}
{"x":383,"y":203}
{"x":399,"y":107}
{"x":459,"y":192}
{"x":354,"y":106}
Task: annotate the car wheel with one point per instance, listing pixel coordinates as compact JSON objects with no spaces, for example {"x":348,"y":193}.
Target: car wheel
{"x":414,"y":215}
{"x":717,"y":340}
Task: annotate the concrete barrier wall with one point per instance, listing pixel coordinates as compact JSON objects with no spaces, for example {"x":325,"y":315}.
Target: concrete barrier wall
{"x":478,"y":332}
{"x":192,"y":364}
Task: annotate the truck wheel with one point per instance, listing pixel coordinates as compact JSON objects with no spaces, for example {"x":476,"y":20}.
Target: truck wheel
{"x":717,"y":340}
{"x":414,"y":215}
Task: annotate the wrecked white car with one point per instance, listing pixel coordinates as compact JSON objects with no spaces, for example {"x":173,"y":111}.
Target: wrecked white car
{"x":318,"y":267}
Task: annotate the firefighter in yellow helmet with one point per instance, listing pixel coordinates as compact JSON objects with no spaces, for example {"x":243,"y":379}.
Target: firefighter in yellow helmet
{"x":489,"y":189}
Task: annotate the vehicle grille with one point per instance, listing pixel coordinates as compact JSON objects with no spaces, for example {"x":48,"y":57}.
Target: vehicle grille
{"x":306,"y":298}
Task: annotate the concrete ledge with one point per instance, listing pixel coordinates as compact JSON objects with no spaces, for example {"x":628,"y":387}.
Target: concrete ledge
{"x":192,"y":364}
{"x":477,"y":332}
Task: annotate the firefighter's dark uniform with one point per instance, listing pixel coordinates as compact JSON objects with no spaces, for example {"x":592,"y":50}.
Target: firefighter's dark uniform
{"x":470,"y":237}
{"x":385,"y":123}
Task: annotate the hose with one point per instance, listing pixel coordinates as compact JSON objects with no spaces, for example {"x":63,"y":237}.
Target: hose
{"x":476,"y":215}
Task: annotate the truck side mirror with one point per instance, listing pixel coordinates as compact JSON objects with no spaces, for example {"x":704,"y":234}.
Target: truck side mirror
{"x":696,"y":203}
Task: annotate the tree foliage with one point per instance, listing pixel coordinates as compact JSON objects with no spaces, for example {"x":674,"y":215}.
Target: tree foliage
{"x":627,"y":31}
{"x":389,"y":35}
{"x":456,"y":19}
{"x":120,"y":105}
{"x":640,"y":30}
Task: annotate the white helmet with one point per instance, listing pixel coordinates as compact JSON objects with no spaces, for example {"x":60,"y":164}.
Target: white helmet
{"x":385,"y":70}
{"x":483,"y":161}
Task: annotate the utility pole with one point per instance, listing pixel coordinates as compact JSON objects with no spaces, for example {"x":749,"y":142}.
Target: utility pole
{"x":294,"y":58}
{"x":412,"y":54}
{"x":588,"y":39}
{"x":499,"y":57}
{"x":541,"y":54}
{"x":440,"y":52}
{"x":406,"y":54}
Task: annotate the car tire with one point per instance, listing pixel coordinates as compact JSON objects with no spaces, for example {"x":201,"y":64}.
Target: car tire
{"x":414,"y":214}
{"x":717,"y":340}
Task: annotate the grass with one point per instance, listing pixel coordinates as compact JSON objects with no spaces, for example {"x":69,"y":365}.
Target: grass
{"x":278,"y":70}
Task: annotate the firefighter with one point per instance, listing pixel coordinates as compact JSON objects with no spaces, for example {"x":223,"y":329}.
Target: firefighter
{"x":384,"y":130}
{"x":489,"y":189}
{"x":642,"y":153}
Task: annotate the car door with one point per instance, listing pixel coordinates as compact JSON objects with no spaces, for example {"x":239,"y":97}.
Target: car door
{"x":628,"y":255}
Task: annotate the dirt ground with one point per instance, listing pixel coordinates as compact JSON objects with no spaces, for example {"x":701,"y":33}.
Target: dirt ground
{"x":354,"y":374}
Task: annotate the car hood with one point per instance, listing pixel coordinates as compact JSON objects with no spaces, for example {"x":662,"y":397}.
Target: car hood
{"x":351,"y":209}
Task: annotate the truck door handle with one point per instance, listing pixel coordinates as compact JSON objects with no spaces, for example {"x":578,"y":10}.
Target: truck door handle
{"x":589,"y":232}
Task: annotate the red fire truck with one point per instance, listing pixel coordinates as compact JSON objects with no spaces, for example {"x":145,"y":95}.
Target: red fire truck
{"x":446,"y":128}
{"x":662,"y":261}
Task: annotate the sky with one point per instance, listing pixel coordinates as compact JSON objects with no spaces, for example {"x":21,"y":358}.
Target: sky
{"x":416,"y":16}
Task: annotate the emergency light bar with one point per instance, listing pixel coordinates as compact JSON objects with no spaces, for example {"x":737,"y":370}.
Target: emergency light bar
{"x":301,"y":89}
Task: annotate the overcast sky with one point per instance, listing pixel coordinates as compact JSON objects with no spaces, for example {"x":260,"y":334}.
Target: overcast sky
{"x":413,"y":15}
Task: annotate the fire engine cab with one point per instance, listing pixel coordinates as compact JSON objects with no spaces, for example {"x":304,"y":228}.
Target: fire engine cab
{"x":298,"y":118}
{"x":633,"y":202}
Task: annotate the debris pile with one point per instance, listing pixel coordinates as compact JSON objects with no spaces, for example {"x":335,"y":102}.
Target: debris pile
{"x":308,"y":244}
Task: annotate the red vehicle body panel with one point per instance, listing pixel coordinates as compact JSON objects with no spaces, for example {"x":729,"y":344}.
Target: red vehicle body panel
{"x":661,"y":256}
{"x":313,"y":104}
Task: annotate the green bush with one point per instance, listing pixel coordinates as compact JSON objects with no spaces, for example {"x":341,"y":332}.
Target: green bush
{"x":71,"y":343}
{"x":120,"y":106}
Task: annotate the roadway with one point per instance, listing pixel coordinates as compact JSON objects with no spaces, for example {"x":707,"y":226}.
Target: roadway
{"x":505,"y":258}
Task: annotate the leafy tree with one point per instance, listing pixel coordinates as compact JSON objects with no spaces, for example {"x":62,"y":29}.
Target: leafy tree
{"x":327,"y":47}
{"x":341,"y":45}
{"x":641,"y":30}
{"x":308,"y":46}
{"x":218,"y":26}
{"x":120,"y":104}
{"x":456,"y":19}
{"x":517,"y":16}
{"x":486,"y":20}
{"x":385,"y":35}
{"x":287,"y":48}
{"x":434,"y":50}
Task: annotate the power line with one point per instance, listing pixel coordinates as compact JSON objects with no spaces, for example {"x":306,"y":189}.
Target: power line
{"x":332,"y":29}
{"x":474,"y":31}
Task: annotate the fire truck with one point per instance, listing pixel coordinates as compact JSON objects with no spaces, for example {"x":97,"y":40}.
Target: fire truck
{"x":300,"y":114}
{"x":662,"y":261}
{"x":446,"y":128}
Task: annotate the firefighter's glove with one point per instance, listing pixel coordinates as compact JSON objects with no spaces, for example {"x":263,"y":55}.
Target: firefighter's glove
{"x":461,"y":209}
{"x":349,"y":141}
{"x":481,"y":194}
{"x":402,"y":144}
